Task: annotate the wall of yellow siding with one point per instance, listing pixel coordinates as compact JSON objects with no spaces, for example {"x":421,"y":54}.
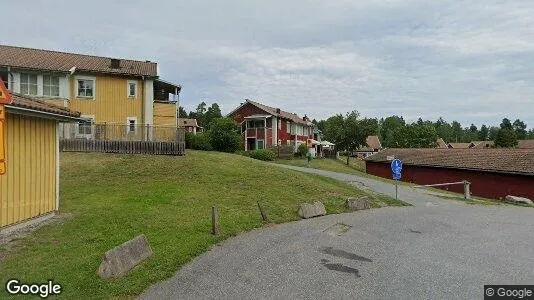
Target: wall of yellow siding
{"x":28,"y":189}
{"x":111,"y":103}
{"x":164,"y":114}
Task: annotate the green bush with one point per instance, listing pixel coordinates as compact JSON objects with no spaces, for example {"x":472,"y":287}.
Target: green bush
{"x":263,"y":154}
{"x":200,"y":141}
{"x":302,"y":150}
{"x":243,"y":152}
{"x":224,"y":135}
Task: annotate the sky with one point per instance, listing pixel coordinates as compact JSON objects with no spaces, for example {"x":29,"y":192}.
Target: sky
{"x":470,"y":61}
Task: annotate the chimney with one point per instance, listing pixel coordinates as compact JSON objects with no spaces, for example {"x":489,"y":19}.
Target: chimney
{"x":115,"y":63}
{"x":278,"y":110}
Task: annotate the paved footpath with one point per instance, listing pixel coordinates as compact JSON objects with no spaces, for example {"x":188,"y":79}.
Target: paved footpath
{"x":436,"y":249}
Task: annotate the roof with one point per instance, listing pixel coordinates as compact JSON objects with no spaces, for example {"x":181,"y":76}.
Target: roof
{"x":34,"y":105}
{"x":188,"y":123}
{"x":441,"y":143}
{"x":482,"y":144}
{"x":275,"y":112}
{"x":373,"y":142}
{"x":525,"y":144}
{"x":37,"y":59}
{"x":500,"y":160}
{"x":459,"y":145}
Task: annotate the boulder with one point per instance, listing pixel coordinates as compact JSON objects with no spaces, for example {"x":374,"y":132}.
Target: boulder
{"x":519,"y":199}
{"x":118,"y":261}
{"x":353,"y":204}
{"x":307,"y":210}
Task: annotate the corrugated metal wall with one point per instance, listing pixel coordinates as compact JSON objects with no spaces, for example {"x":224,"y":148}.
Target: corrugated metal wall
{"x":28,"y":189}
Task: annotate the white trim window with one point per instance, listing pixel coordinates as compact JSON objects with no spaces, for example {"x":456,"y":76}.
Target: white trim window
{"x":131,"y":125}
{"x":50,"y":85}
{"x":288,"y":127}
{"x":28,"y":84}
{"x":132,"y":89}
{"x":85,"y":87}
{"x":260,"y":144}
{"x":84,"y":129}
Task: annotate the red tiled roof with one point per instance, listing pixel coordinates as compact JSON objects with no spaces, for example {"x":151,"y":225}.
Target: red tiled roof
{"x":40,"y":106}
{"x":499,"y":160}
{"x":37,"y":59}
{"x":373,"y":142}
{"x":281,"y":114}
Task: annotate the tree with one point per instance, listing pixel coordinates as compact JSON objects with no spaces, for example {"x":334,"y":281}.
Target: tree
{"x":530,"y":134}
{"x":199,"y":114}
{"x":348,"y":133}
{"x":456,"y":131}
{"x":506,"y":124}
{"x":387,"y":128}
{"x":443,"y":130}
{"x":181,"y":112}
{"x":212,"y":113}
{"x":483,"y":133}
{"x":224,"y":135}
{"x":492,"y":135}
{"x":506,"y":138}
{"x":520,"y":129}
{"x":415,"y":136}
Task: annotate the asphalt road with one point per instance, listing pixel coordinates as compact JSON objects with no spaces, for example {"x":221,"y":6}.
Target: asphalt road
{"x":436,"y":249}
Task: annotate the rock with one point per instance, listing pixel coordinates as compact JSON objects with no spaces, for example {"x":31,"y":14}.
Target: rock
{"x":120,"y":260}
{"x":353,"y":204}
{"x":307,"y":210}
{"x":519,"y":199}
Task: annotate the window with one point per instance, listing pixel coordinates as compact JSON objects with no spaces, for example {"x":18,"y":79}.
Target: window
{"x":279,"y":124}
{"x":86,"y":88}
{"x":131,"y":124}
{"x":51,"y":85}
{"x":85,"y":128}
{"x":28,"y":84}
{"x":261,"y":144}
{"x":288,"y":127}
{"x":132,"y":89}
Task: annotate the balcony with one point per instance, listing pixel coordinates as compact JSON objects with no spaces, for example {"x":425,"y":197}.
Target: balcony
{"x":258,"y":132}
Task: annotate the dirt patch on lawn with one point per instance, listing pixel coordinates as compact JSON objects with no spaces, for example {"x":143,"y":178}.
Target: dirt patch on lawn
{"x":11,"y":241}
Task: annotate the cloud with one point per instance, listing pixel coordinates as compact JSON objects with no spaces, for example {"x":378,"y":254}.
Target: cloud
{"x":463,"y":60}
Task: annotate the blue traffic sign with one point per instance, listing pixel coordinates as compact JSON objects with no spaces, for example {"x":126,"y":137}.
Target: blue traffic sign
{"x":396,"y":168}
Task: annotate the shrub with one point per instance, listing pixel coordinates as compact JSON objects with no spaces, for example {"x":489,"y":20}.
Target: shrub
{"x":199,"y":141}
{"x":302,"y":150}
{"x":224,"y":135}
{"x":263,"y":154}
{"x":243,"y":152}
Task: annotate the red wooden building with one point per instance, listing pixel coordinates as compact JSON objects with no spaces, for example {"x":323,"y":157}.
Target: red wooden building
{"x":493,"y":173}
{"x":263,"y":126}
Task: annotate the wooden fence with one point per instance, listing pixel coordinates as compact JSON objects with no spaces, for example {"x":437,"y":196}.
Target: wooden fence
{"x":125,"y":147}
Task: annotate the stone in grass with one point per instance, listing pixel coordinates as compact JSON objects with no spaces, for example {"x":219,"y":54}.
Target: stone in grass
{"x":519,"y":199}
{"x":307,"y":210}
{"x":118,"y":261}
{"x":353,"y":204}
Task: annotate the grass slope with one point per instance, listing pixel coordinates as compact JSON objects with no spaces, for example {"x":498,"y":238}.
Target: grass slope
{"x":356,"y":165}
{"x":110,"y":199}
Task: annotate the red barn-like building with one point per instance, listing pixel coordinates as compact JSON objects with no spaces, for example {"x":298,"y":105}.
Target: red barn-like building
{"x":493,"y":173}
{"x":263,"y":126}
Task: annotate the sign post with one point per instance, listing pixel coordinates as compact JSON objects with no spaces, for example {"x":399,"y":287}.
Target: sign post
{"x":5,"y":98}
{"x":396,"y":169}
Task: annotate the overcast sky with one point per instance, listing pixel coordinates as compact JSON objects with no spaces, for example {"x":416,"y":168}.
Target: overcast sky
{"x":471,"y":61}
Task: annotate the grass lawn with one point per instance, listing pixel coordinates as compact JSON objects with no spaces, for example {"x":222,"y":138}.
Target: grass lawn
{"x":356,"y":165}
{"x":107,"y":199}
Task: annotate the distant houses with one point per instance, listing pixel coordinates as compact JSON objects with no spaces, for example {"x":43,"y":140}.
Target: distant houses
{"x":263,"y":126}
{"x":190,"y":125}
{"x":441,"y":144}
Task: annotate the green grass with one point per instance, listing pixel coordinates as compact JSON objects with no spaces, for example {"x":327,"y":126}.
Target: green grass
{"x":107,"y":199}
{"x":356,"y":165}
